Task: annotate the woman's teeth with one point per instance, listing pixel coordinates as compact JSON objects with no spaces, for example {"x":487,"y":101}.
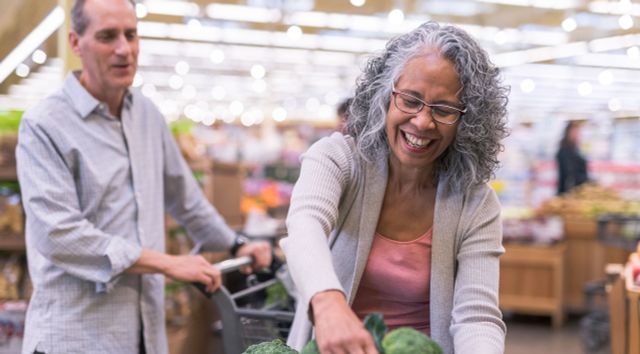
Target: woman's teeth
{"x":415,"y":141}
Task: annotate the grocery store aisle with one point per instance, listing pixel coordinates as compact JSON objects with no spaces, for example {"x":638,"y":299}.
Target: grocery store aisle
{"x":533,"y":335}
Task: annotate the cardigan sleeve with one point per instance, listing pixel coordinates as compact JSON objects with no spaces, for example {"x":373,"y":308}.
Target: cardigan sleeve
{"x":313,"y":213}
{"x":476,"y":325}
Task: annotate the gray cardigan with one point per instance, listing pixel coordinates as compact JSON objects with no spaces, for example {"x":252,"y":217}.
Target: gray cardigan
{"x":331,"y":223}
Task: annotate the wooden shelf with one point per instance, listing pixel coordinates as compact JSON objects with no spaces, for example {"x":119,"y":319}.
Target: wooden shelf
{"x":11,"y":242}
{"x":532,"y":278}
{"x":8,"y":173}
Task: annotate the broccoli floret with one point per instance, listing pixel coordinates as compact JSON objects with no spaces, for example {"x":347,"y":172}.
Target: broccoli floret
{"x":311,"y":348}
{"x":276,"y":346}
{"x":406,"y":340}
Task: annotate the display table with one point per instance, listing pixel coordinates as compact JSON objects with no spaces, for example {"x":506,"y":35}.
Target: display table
{"x":624,"y":310}
{"x":532,"y":280}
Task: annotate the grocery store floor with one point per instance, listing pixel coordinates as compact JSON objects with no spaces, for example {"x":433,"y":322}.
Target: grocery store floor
{"x":533,"y":335}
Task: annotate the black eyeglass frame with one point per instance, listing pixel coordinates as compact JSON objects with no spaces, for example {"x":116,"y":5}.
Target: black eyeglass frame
{"x":395,"y":94}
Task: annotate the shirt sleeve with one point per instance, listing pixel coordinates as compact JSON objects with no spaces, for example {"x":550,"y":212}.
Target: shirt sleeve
{"x":313,"y":214}
{"x":476,"y":325}
{"x":58,"y":229}
{"x":186,"y":202}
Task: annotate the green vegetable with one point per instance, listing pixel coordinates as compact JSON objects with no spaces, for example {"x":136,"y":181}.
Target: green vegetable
{"x":276,"y":294}
{"x":374,"y":323}
{"x":311,"y":348}
{"x":407,"y":340}
{"x":276,"y":346}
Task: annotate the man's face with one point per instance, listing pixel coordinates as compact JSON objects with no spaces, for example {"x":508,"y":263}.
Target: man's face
{"x":108,"y":48}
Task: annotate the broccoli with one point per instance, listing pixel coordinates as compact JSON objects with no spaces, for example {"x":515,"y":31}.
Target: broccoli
{"x":406,"y":340}
{"x":311,"y":348}
{"x":276,"y":346}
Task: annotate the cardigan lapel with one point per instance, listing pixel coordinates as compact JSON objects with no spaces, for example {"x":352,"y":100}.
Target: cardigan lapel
{"x":448,"y":210}
{"x":375,"y":183}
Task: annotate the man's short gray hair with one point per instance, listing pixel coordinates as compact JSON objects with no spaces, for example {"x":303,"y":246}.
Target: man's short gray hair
{"x":79,"y":21}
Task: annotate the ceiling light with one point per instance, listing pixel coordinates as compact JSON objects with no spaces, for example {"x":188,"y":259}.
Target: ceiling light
{"x":176,"y":82}
{"x":606,"y":77}
{"x":174,"y":8}
{"x":294,"y":32}
{"x":357,"y":3}
{"x":182,"y":67}
{"x":500,"y":38}
{"x":585,"y":89}
{"x":218,"y":93}
{"x":194,"y":24}
{"x":258,"y":71}
{"x":259,"y":86}
{"x":312,"y":104}
{"x":236,"y":108}
{"x":625,"y":22}
{"x":279,"y":114}
{"x":396,"y":16}
{"x":141,"y":10}
{"x":216,"y":56}
{"x":614,"y":105}
{"x":243,"y":13}
{"x":23,"y":70}
{"x":32,"y":41}
{"x":633,"y":52}
{"x":39,"y":57}
{"x":189,"y":92}
{"x":527,"y":85}
{"x":569,"y":24}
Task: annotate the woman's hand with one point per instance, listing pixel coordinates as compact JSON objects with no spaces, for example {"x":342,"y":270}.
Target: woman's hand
{"x":338,"y":329}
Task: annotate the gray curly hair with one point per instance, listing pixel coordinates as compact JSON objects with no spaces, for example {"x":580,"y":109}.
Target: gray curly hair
{"x":472,"y":157}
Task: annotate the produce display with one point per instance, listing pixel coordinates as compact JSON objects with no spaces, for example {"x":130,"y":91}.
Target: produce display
{"x":403,"y":340}
{"x":588,"y":201}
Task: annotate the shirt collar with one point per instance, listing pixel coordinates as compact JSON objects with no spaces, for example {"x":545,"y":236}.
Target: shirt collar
{"x":83,"y":101}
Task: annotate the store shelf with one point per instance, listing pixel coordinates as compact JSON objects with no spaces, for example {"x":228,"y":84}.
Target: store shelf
{"x":11,"y":242}
{"x":532,"y":278}
{"x":8,"y":173}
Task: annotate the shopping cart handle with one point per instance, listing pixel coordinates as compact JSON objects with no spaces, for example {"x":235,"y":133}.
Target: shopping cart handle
{"x":234,"y":264}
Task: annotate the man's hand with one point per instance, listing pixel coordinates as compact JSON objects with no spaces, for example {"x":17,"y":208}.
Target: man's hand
{"x":194,"y":268}
{"x":260,"y":251}
{"x":187,"y":268}
{"x":338,"y":329}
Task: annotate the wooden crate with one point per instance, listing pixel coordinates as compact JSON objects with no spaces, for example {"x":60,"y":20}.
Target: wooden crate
{"x":585,"y":260}
{"x":531,"y":280}
{"x":624,"y":309}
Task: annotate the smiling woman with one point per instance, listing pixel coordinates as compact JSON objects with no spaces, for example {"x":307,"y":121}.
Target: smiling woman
{"x":396,"y":217}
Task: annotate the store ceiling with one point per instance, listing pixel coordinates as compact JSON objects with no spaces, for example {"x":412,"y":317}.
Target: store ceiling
{"x":564,"y":59}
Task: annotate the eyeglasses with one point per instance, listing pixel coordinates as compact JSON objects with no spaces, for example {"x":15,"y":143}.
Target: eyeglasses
{"x":441,"y":113}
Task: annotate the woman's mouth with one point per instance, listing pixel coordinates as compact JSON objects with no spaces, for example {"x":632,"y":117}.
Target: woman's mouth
{"x":416,"y":142}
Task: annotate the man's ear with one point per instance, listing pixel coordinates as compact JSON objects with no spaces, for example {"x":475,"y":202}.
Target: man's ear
{"x":74,"y":42}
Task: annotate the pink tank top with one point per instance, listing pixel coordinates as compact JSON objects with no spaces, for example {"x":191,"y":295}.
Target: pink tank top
{"x":396,"y":281}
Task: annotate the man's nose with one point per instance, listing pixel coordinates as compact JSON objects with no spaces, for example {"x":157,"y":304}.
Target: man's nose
{"x":123,"y":47}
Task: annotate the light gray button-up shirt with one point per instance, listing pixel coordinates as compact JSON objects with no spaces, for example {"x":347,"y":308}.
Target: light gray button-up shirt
{"x":95,"y":189}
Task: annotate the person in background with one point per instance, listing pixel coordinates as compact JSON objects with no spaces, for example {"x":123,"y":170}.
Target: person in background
{"x":572,"y":167}
{"x":97,"y":167}
{"x":396,"y":217}
{"x":342,"y":113}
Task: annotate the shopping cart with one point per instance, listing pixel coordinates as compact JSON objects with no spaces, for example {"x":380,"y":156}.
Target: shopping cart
{"x":245,"y":316}
{"x":616,"y":231}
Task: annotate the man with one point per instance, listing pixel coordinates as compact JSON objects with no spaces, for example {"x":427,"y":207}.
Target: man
{"x":98,"y":166}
